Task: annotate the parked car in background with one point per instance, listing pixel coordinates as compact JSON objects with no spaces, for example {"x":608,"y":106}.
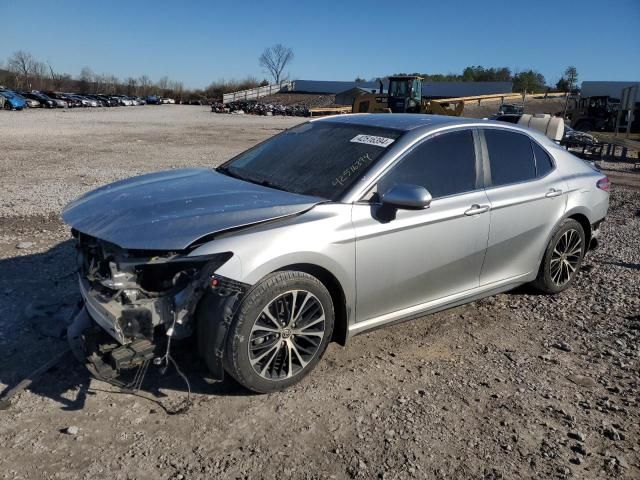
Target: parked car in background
{"x":31,"y":103}
{"x":153,"y":100}
{"x":60,"y":103}
{"x":112,"y":102}
{"x":576,"y":135}
{"x":115,"y":101}
{"x":70,"y":102}
{"x":45,"y":101}
{"x":13,"y":101}
{"x":511,"y":108}
{"x":100,"y":101}
{"x":73,"y":102}
{"x":508,"y":117}
{"x":332,"y":228}
{"x":84,"y":100}
{"x":124,"y":101}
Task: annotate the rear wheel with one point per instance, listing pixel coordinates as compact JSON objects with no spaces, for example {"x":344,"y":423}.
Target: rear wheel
{"x":280,"y":332}
{"x":562,"y":258}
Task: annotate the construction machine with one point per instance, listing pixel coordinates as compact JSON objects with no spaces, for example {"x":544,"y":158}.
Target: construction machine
{"x":405,"y":96}
{"x":587,"y":114}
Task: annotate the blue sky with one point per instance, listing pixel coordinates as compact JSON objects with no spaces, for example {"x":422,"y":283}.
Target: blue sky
{"x":201,"y":41}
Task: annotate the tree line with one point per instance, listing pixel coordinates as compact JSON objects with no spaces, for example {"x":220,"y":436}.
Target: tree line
{"x":23,"y":71}
{"x":525,"y":80}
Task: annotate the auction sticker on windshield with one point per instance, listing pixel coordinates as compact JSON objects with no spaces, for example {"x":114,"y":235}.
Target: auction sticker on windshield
{"x":383,"y":142}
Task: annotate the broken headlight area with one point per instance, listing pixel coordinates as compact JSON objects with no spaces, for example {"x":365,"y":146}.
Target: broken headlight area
{"x":130,"y":293}
{"x":104,"y":357}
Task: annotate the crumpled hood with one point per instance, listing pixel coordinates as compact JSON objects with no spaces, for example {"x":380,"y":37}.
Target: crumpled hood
{"x":170,"y":210}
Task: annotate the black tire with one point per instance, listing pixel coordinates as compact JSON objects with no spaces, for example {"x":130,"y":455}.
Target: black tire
{"x":549,"y":279}
{"x":7,"y":105}
{"x":274,"y":288}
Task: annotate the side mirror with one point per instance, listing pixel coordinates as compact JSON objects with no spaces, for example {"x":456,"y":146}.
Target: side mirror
{"x":411,"y":197}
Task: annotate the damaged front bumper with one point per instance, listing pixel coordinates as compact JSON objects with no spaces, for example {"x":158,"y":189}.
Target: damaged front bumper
{"x":134,"y":303}
{"x":103,"y":357}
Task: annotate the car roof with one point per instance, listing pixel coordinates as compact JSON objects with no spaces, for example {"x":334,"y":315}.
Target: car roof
{"x":418,"y":124}
{"x":397,"y":121}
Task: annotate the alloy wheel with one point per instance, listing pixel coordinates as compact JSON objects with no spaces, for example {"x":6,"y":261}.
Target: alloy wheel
{"x":565,"y":257}
{"x":287,"y":335}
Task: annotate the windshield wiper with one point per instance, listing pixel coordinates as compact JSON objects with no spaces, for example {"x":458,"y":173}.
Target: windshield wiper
{"x":267,"y":183}
{"x":262,"y":182}
{"x":229,"y":173}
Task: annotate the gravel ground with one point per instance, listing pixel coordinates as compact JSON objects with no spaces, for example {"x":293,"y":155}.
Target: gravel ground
{"x":514,"y":386}
{"x":51,"y":157}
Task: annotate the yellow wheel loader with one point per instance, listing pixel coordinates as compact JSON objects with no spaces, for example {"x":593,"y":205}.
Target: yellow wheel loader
{"x":405,"y":96}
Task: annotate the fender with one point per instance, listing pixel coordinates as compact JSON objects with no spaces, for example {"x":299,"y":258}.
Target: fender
{"x":214,"y":315}
{"x":578,"y":209}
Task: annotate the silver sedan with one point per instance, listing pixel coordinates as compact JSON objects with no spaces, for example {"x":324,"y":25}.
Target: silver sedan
{"x":327,"y":230}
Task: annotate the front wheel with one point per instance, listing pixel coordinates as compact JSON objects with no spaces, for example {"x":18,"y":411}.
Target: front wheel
{"x":280,"y":331}
{"x":562,"y":258}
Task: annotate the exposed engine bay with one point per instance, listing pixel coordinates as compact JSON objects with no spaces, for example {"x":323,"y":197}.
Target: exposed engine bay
{"x":142,"y":300}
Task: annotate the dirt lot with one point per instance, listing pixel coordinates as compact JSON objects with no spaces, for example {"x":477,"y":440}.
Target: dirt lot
{"x":514,"y":386}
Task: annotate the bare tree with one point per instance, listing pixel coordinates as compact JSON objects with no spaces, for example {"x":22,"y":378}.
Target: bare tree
{"x":100,"y":81}
{"x":66,"y":82}
{"x":39,"y":75}
{"x":275,"y":59}
{"x":145,"y":85}
{"x":177,"y":88}
{"x":163,"y":83}
{"x":131,"y":85}
{"x":21,"y":64}
{"x":111,"y":83}
{"x":56,"y":78}
{"x":86,"y":79}
{"x":163,"y":86}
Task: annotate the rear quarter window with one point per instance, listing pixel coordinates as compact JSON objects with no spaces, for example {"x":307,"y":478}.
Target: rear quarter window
{"x":544,"y":163}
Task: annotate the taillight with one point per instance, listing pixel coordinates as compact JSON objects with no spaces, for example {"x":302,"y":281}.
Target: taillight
{"x":603,"y":184}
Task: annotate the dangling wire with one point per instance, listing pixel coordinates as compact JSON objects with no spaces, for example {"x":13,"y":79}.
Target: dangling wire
{"x":187,"y":403}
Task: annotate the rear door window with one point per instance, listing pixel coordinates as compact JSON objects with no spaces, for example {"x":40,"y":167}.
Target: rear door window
{"x":510,"y":157}
{"x":444,"y":165}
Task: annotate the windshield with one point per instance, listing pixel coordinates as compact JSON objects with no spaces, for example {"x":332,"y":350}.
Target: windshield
{"x":399,"y":88}
{"x":315,"y":158}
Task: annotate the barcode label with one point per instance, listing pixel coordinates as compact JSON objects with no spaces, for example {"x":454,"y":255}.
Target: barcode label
{"x":383,"y":142}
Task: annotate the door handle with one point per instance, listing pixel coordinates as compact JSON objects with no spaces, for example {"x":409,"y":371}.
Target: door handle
{"x":553,"y":192}
{"x":477,"y":209}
